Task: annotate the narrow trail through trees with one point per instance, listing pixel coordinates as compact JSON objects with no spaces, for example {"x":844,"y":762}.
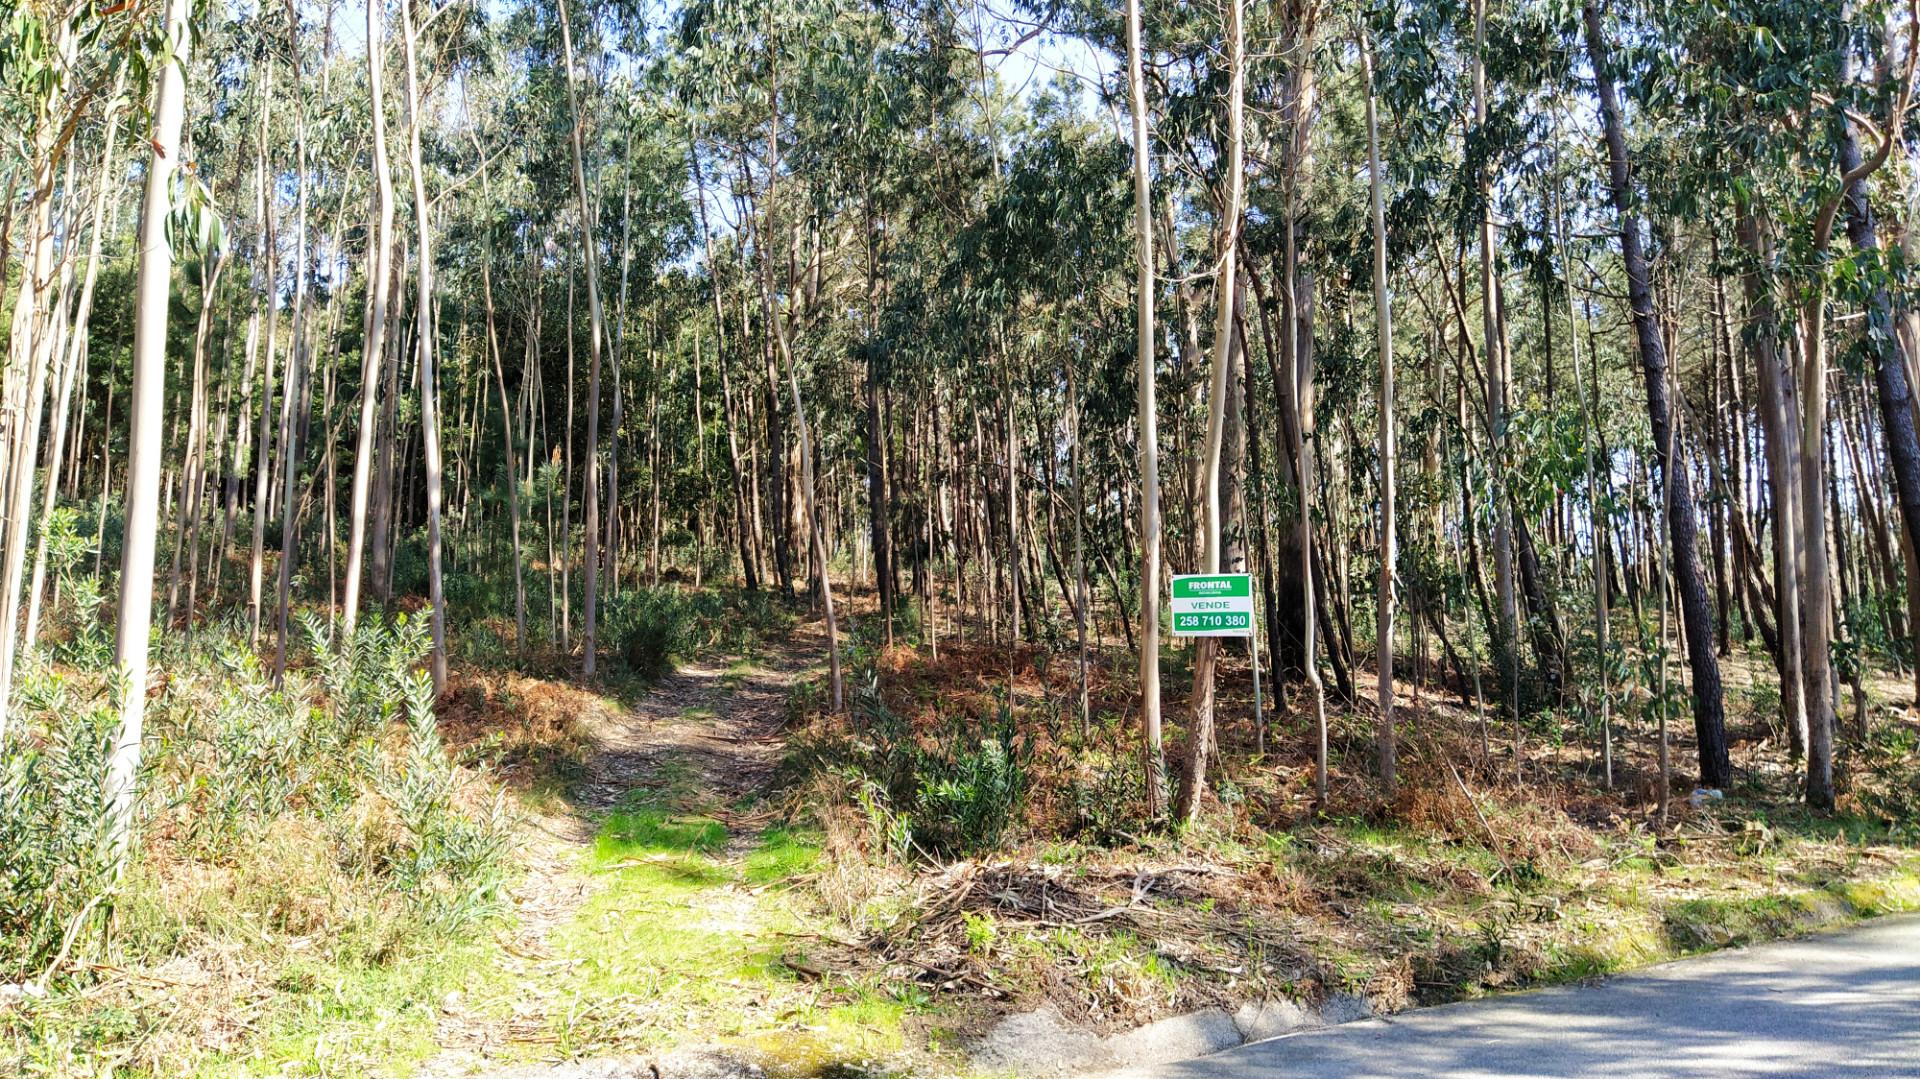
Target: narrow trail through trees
{"x":711,"y":734}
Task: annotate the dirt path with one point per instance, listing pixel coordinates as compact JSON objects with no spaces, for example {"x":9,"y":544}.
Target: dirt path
{"x":711,"y":728}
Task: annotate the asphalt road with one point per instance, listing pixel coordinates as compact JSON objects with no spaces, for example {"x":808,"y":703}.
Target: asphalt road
{"x":1843,"y":1004}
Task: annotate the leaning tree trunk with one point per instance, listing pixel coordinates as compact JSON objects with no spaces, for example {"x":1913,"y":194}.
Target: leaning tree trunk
{"x":1889,"y":364}
{"x":1696,"y":607}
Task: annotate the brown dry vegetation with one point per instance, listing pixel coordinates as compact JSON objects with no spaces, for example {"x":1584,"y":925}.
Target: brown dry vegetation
{"x":1478,"y":876}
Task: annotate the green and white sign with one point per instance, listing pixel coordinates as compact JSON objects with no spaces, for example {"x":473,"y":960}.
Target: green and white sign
{"x":1212,"y":605}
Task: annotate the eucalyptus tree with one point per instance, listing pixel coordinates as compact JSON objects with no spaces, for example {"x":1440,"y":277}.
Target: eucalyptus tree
{"x":297,"y":395}
{"x":1750,"y":106}
{"x":46,"y":89}
{"x":379,"y":279}
{"x":424,"y":332}
{"x":1200,"y":734}
{"x":134,"y":614}
{"x":1890,"y":356}
{"x":1146,"y":419}
{"x":1682,"y":517}
{"x":596,"y":334}
{"x":1499,"y":377}
{"x":1383,"y":330}
{"x":1814,"y":427}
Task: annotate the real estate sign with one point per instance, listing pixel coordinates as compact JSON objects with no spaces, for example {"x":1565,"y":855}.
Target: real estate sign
{"x":1212,"y":605}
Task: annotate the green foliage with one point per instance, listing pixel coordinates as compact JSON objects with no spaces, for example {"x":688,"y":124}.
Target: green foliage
{"x":448,"y":862}
{"x":648,"y":629}
{"x":235,"y":768}
{"x":968,"y":794}
{"x":1109,"y":793}
{"x":1890,"y":759}
{"x":955,"y":793}
{"x":364,"y":677}
{"x":53,"y":819}
{"x":652,"y":628}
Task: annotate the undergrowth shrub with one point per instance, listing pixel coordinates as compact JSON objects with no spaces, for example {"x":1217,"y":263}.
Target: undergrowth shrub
{"x":650,"y":629}
{"x":52,"y":819}
{"x":1888,"y":787}
{"x":953,"y":792}
{"x":327,"y":806}
{"x":448,"y":861}
{"x":968,"y":794}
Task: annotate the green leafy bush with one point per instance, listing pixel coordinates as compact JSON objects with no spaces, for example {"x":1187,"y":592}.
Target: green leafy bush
{"x":300,"y":798}
{"x":650,"y":629}
{"x":52,"y":820}
{"x":968,"y":795}
{"x":954,"y":794}
{"x":446,"y":861}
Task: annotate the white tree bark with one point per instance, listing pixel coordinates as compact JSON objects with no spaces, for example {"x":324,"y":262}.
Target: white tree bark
{"x":379,"y":284}
{"x":423,"y":338}
{"x":135,"y":614}
{"x":1193,"y":782}
{"x":1383,"y":329}
{"x":590,"y":253}
{"x":267,"y":258}
{"x":76,"y":353}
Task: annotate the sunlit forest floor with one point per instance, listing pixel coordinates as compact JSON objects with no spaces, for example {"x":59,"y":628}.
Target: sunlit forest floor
{"x":713,"y":870}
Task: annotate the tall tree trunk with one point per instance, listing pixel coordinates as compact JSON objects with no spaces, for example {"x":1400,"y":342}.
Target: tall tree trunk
{"x":374,"y":336}
{"x":1506,"y":631}
{"x":380,"y":527}
{"x":778,"y":329}
{"x":1890,"y":369}
{"x":1597,"y":521}
{"x":1383,"y":331}
{"x":267,"y":258}
{"x":187,"y":530}
{"x":76,"y":361}
{"x":1716,"y":769}
{"x":294,"y":403}
{"x":588,"y":251}
{"x":1777,"y":409}
{"x":429,"y":390}
{"x":1193,"y":781}
{"x":23,"y":424}
{"x":1147,"y":430}
{"x":152,"y":291}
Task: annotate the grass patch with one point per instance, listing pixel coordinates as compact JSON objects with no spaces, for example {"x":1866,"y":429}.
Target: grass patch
{"x":638,"y":833}
{"x":681,"y":941}
{"x":354,"y":1021}
{"x":783,"y":855}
